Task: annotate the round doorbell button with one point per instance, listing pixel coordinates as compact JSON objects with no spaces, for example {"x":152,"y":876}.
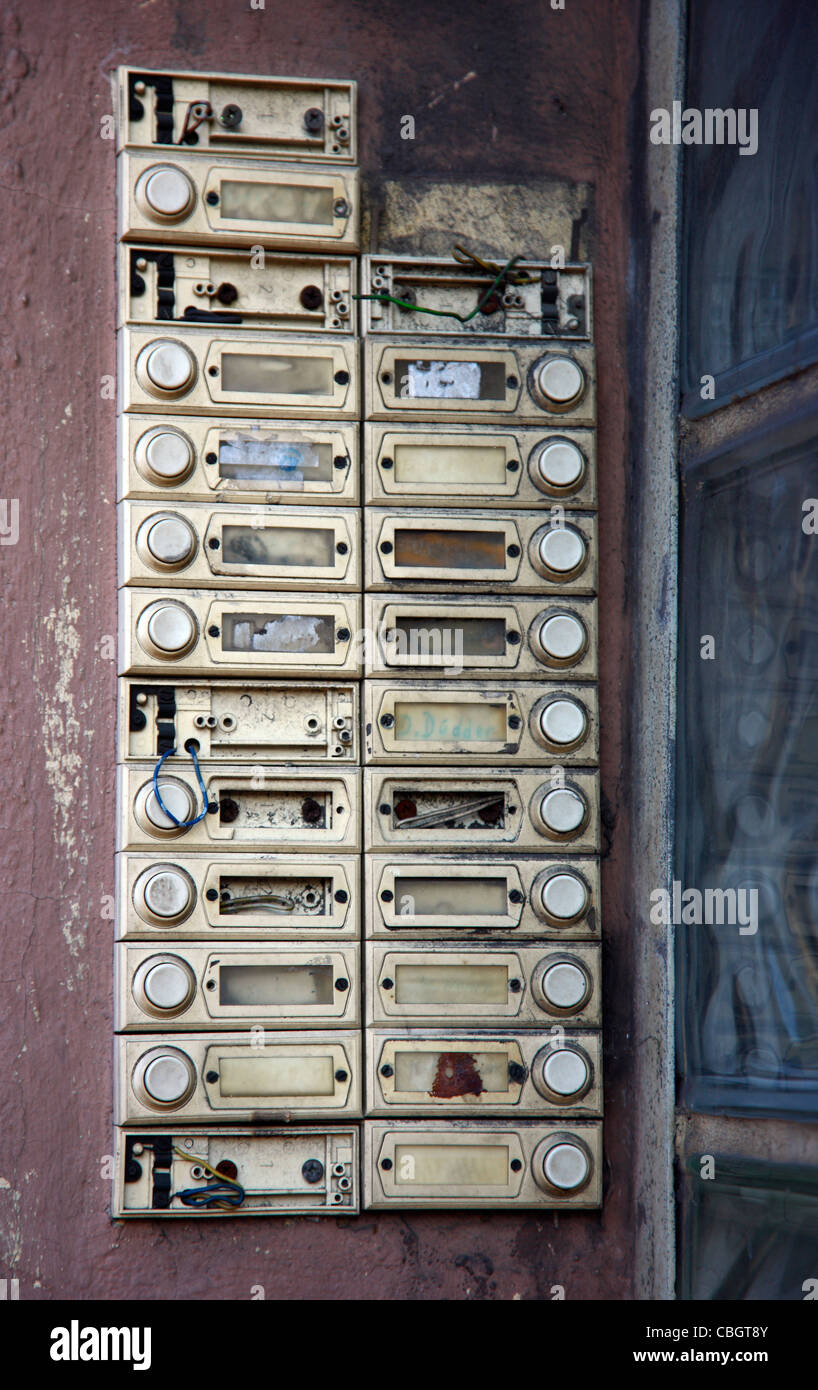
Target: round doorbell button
{"x":564,"y":986}
{"x":562,"y":1073}
{"x":558,"y":639}
{"x":565,"y":1072}
{"x":558,"y":382}
{"x":164,"y":456}
{"x":166,"y":629}
{"x":166,"y":368}
{"x":560,"y":897}
{"x":163,"y":985}
{"x":557,"y":466}
{"x":559,"y":552}
{"x":560,"y":814}
{"x":566,"y":1167}
{"x":165,"y":192}
{"x":560,"y":724}
{"x":172,"y":627}
{"x":164,"y":1078}
{"x":167,"y":986}
{"x":166,"y":541}
{"x":562,"y":1164}
{"x":176,"y":796}
{"x":164,"y":895}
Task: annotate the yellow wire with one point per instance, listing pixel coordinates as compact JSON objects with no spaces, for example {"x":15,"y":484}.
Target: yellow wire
{"x":192,"y":1158}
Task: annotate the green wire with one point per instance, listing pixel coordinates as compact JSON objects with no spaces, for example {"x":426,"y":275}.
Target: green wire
{"x":445,"y":313}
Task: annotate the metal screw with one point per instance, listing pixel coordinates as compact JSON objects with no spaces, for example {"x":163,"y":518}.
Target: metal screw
{"x":513,"y":551}
{"x":342,"y":634}
{"x":387,"y":720}
{"x":342,"y":378}
{"x":387,"y":463}
{"x":512,"y":383}
{"x":211,"y":458}
{"x":387,"y":895}
{"x":212,"y":1077}
{"x":340,"y":461}
{"x":340,"y":207}
{"x":514,"y":721}
{"x":515,"y":896}
{"x":231,"y":117}
{"x":387,"y":983}
{"x":341,"y":984}
{"x":341,"y":896}
{"x":512,"y":465}
{"x":211,"y":895}
{"x":312,"y":1170}
{"x":515,"y":1165}
{"x":341,"y":1075}
{"x":213,"y":631}
{"x":386,"y":547}
{"x":387,"y":1070}
{"x":212,"y":198}
{"x":513,"y":638}
{"x":515,"y":986}
{"x":342,"y":547}
{"x":214,"y":543}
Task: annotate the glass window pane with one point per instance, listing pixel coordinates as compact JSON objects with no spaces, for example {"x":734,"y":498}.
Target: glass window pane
{"x":749,"y":1233}
{"x":746,"y":897}
{"x":750,"y":243}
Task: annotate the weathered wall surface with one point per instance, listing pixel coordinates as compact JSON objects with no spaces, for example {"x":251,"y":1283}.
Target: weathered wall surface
{"x":550,"y":96}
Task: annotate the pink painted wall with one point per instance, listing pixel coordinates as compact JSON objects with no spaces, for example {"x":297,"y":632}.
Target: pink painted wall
{"x":556,"y":88}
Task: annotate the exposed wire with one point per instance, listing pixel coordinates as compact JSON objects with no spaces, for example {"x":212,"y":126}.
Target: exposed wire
{"x":182,"y":824}
{"x":463,"y":257}
{"x":222,"y":1192}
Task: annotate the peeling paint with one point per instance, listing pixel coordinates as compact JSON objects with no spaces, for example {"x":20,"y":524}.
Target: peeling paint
{"x":62,"y":727}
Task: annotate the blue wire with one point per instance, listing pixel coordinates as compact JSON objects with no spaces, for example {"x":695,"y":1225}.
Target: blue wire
{"x":182,"y":824}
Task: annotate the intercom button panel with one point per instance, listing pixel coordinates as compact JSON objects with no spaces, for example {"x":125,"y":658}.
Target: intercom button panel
{"x":202,"y":633}
{"x":202,"y":370}
{"x":174,"y":196}
{"x":189,"y":459}
{"x":510,"y":810}
{"x":421,"y":296}
{"x":275,"y":291}
{"x":550,"y":637}
{"x":236,"y":1172}
{"x":227,"y":113}
{"x":478,"y":1163}
{"x":519,"y":383}
{"x":174,"y":896}
{"x":476,"y":466}
{"x":469,"y":723}
{"x":260,"y":721}
{"x":450,"y":1072}
{"x":236,"y":807}
{"x":253,"y":1077}
{"x":552,"y":552}
{"x":178,"y":987}
{"x":481,"y":897}
{"x":490,"y":986}
{"x":249,"y":547}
